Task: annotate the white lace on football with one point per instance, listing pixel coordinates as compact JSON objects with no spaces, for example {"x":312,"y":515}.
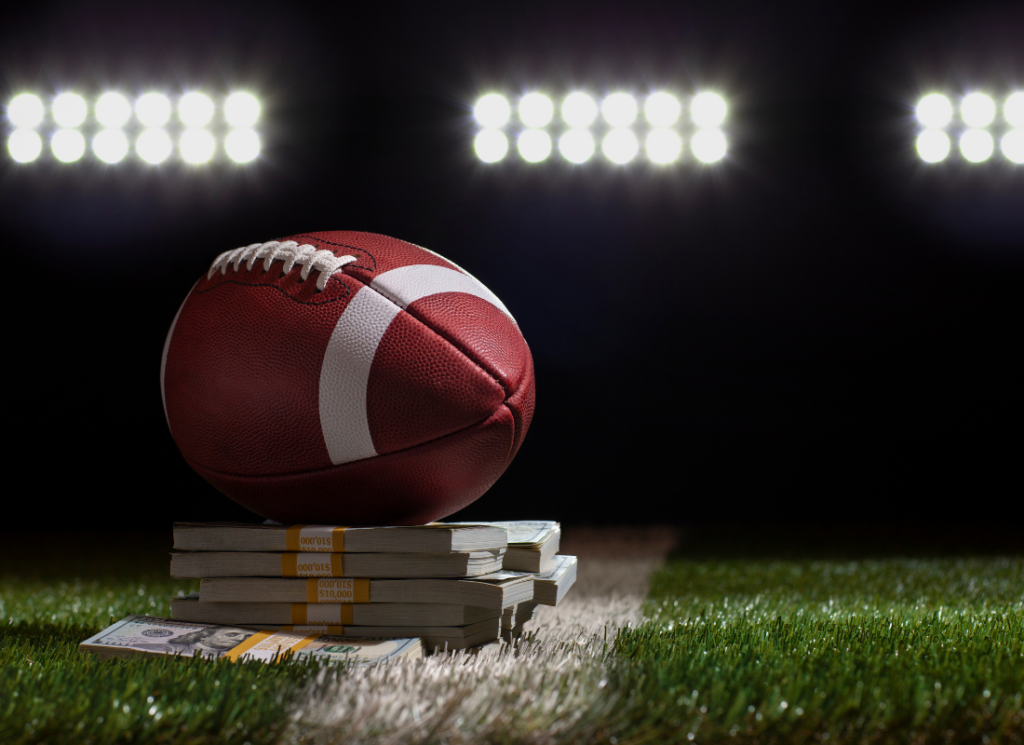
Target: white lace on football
{"x":290,"y":252}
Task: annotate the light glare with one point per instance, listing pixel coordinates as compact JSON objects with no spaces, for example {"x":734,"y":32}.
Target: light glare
{"x":976,"y":145}
{"x":579,"y":110}
{"x":709,"y":145}
{"x":68,"y":145}
{"x":978,"y":110}
{"x":153,"y":109}
{"x":241,"y":110}
{"x":619,"y":109}
{"x":113,"y":110}
{"x":534,"y":145}
{"x":242,"y":145}
{"x":577,"y":145}
{"x":490,"y":145}
{"x":708,"y":110}
{"x":25,"y":110}
{"x":195,"y":109}
{"x":1013,"y":145}
{"x":620,"y":146}
{"x":492,"y":110}
{"x":662,"y":109}
{"x":933,"y":145}
{"x":934,"y":110}
{"x":664,"y":146}
{"x":536,"y":110}
{"x":69,"y":110}
{"x":24,"y":145}
{"x":1014,"y":110}
{"x":197,"y":146}
{"x":154,"y":146}
{"x":110,"y":145}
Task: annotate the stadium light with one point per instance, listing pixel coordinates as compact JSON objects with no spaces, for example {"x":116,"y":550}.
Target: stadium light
{"x":492,"y":111}
{"x":195,"y":109}
{"x":536,"y":110}
{"x":664,"y":146}
{"x":619,"y":109}
{"x":707,"y":110}
{"x":620,"y":146}
{"x":534,"y":145}
{"x":242,"y":145}
{"x":24,"y":145}
{"x":197,"y":146}
{"x":68,"y":145}
{"x":934,"y":111}
{"x":579,"y":110}
{"x":110,"y":145}
{"x":662,"y":109}
{"x":153,"y":109}
{"x":491,"y":145}
{"x":242,"y":110}
{"x":933,"y":145}
{"x":113,"y":110}
{"x":154,"y":146}
{"x":69,"y":110}
{"x":25,"y":111}
{"x":978,"y":110}
{"x":1013,"y":145}
{"x":709,"y":145}
{"x":576,"y":145}
{"x":976,"y":145}
{"x":1013,"y":110}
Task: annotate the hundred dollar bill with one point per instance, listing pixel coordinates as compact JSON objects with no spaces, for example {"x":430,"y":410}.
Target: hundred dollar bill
{"x":148,"y":635}
{"x":524,"y":532}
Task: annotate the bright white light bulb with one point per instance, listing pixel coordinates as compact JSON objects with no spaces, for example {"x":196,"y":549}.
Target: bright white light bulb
{"x":1014,"y":110}
{"x":933,"y":145}
{"x":534,"y":145}
{"x":195,"y":109}
{"x":707,"y":110}
{"x":490,"y":145}
{"x":976,"y":145}
{"x":241,"y":109}
{"x":978,"y":110}
{"x":153,"y":109}
{"x":709,"y":145}
{"x":154,"y":146}
{"x":113,"y":109}
{"x":536,"y":109}
{"x":1013,"y":145}
{"x":25,"y":110}
{"x":662,"y":109}
{"x":492,"y":110}
{"x":620,"y":146}
{"x":664,"y":146}
{"x":619,"y":109}
{"x":68,"y":145}
{"x":110,"y":145}
{"x":242,"y":145}
{"x":24,"y":145}
{"x":579,"y":110}
{"x":197,"y":146}
{"x":69,"y":110}
{"x":934,"y":110}
{"x":576,"y":145}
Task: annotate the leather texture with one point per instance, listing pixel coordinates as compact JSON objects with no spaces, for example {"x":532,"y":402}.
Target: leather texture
{"x":338,"y":407}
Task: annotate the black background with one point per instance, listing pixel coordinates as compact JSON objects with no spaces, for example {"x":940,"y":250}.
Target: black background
{"x":819,"y":328}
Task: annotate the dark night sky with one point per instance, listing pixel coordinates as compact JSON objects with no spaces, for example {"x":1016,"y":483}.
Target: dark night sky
{"x":817,"y":329}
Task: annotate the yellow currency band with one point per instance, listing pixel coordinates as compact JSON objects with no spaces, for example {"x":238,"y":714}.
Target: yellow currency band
{"x":290,"y":565}
{"x":300,"y":614}
{"x":293,"y":539}
{"x":360,"y":589}
{"x":248,"y":644}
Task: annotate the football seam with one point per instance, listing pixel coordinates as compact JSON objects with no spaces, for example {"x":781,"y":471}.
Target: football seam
{"x":332,"y":278}
{"x":373,"y":258}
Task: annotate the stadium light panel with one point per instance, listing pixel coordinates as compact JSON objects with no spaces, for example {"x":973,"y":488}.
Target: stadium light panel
{"x":978,"y":110}
{"x":242,"y":110}
{"x":24,"y":145}
{"x":492,"y":111}
{"x":976,"y":145}
{"x":197,"y":146}
{"x":1013,"y":110}
{"x":707,"y":110}
{"x":664,"y":146}
{"x":69,"y":110}
{"x":576,"y":145}
{"x":491,"y":145}
{"x":934,"y":111}
{"x":534,"y":145}
{"x":620,"y":146}
{"x":709,"y":145}
{"x":242,"y":145}
{"x":1013,"y":145}
{"x":662,"y":109}
{"x":154,"y":146}
{"x":68,"y":145}
{"x":536,"y":110}
{"x":110,"y":145}
{"x":113,"y":110}
{"x":579,"y":110}
{"x":195,"y":109}
{"x":619,"y":109}
{"x":25,"y":111}
{"x":933,"y":145}
{"x":153,"y":109}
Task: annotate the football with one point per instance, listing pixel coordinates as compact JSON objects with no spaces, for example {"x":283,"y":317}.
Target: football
{"x":346,"y":378}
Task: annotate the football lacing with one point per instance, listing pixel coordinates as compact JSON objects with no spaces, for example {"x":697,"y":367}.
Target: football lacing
{"x":290,"y":252}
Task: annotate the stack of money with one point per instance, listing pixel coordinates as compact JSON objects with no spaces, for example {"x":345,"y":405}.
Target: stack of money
{"x":442,"y":583}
